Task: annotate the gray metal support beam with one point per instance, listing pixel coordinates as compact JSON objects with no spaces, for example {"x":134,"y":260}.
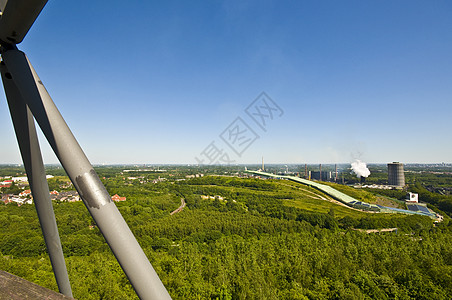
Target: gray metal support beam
{"x":31,"y":155}
{"x":17,"y":17}
{"x":125,"y":247}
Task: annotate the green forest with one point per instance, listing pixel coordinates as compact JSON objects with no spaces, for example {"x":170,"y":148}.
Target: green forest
{"x":238,"y":238}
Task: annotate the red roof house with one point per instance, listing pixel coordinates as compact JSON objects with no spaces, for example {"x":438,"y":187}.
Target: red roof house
{"x":117,"y":198}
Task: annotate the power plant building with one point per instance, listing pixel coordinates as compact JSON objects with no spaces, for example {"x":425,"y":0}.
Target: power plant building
{"x":321,"y":175}
{"x":396,"y":175}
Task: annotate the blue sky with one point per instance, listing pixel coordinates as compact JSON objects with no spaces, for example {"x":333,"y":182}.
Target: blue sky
{"x":157,"y":82}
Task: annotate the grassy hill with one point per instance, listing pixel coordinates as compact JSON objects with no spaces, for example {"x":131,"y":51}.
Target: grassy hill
{"x":366,"y":196}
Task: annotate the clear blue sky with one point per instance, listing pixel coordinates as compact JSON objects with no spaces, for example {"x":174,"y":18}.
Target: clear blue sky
{"x":157,"y":82}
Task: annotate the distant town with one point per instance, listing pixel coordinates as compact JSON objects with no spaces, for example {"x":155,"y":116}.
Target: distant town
{"x":396,"y":176}
{"x":25,"y":196}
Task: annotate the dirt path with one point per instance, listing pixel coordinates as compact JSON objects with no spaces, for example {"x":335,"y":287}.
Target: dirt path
{"x":376,"y":230}
{"x":180,"y":208}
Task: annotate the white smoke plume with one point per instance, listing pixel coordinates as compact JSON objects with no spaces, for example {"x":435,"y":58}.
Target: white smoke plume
{"x":360,"y":168}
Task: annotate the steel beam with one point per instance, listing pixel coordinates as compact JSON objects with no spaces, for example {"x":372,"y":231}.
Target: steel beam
{"x":31,"y":155}
{"x":125,"y":247}
{"x":17,"y":17}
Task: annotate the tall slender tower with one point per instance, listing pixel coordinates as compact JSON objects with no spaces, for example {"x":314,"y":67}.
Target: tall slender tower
{"x":320,"y":173}
{"x":263,"y":163}
{"x":335,"y":173}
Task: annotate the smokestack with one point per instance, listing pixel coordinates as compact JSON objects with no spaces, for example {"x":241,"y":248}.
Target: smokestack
{"x":320,"y":175}
{"x":335,"y":176}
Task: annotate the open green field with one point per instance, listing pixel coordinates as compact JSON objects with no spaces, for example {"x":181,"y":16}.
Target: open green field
{"x":366,"y":196}
{"x":311,"y":199}
{"x":290,"y":194}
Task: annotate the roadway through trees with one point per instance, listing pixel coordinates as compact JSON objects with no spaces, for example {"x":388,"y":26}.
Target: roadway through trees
{"x":180,"y":208}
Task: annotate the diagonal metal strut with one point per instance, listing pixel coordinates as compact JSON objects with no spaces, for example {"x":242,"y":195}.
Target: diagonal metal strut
{"x":24,"y":127}
{"x":121,"y":240}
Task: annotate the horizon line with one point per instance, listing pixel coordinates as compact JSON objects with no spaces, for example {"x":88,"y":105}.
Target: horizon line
{"x":239,"y":164}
